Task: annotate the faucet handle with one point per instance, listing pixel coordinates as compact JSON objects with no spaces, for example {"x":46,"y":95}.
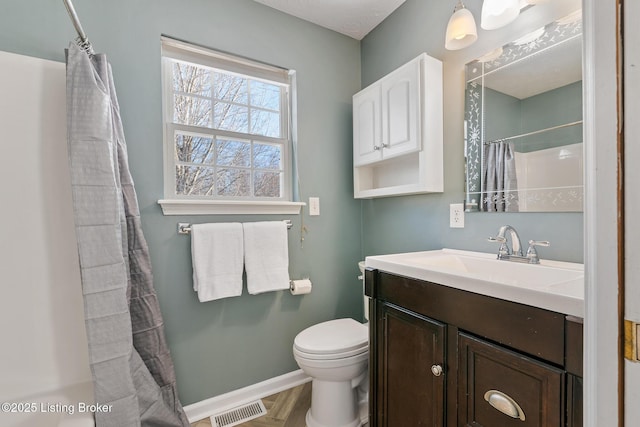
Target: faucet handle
{"x":533,"y":243}
{"x":504,"y":249}
{"x":532,"y":254}
{"x":497,"y":239}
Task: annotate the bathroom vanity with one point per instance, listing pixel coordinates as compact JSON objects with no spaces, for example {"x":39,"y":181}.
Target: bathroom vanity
{"x":447,"y":354}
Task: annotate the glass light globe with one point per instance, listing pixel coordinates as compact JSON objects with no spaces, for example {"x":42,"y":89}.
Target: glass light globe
{"x":498,"y":13}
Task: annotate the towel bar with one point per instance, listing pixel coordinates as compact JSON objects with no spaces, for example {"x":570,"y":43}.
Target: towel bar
{"x":185,"y":227}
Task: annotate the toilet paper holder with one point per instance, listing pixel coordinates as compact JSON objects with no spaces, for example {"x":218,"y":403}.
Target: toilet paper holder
{"x":300,"y":287}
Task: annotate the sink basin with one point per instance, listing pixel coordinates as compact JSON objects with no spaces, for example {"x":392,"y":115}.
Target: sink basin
{"x":553,"y":285}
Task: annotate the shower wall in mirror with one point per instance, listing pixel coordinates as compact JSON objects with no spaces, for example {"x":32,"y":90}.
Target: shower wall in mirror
{"x":523,"y":123}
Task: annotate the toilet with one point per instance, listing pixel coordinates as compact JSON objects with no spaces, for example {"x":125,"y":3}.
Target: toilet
{"x":335,"y":354}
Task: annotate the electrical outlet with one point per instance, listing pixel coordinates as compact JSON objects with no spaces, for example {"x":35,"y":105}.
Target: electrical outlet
{"x":456,"y":215}
{"x":314,"y":206}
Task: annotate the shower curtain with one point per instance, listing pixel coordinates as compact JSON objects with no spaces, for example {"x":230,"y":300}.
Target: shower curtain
{"x":499,"y":181}
{"x":130,"y":361}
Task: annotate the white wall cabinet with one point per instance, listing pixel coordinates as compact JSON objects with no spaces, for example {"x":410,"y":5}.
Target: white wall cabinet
{"x":397,"y":132}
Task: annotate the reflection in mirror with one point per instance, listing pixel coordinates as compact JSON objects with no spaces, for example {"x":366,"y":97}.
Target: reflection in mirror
{"x":523,"y":123}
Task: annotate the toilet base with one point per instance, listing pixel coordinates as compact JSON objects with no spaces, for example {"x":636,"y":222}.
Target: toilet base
{"x":312,"y":423}
{"x":333,"y":404}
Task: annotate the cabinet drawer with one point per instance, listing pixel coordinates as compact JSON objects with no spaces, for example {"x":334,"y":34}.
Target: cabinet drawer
{"x":490,"y":373}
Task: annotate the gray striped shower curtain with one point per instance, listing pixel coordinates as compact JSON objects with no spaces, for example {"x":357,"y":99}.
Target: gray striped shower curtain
{"x":130,"y":362}
{"x":499,"y":179}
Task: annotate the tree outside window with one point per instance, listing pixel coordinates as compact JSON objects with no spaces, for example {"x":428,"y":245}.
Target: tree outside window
{"x":228,"y":132}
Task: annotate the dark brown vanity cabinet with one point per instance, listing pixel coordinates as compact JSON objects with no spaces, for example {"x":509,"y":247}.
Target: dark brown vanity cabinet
{"x":446,"y":357}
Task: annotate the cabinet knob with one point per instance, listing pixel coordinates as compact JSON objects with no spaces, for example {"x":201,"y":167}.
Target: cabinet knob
{"x":436,"y":370}
{"x":376,"y":147}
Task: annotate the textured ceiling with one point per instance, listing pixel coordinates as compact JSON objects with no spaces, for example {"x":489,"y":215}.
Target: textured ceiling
{"x":354,"y":18}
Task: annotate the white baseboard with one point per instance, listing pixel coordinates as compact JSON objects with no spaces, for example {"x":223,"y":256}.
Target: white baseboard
{"x":205,"y":408}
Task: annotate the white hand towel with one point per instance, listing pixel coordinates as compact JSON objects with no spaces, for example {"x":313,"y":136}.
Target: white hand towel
{"x":266,"y":256}
{"x":217,"y":254}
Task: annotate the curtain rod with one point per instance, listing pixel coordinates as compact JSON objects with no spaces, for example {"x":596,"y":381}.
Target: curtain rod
{"x":535,"y":132}
{"x":83,"y":40}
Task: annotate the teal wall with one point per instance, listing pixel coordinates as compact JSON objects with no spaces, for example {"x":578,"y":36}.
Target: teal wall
{"x":506,"y":116}
{"x":501,"y":115}
{"x":224,"y":345}
{"x":421,"y":222}
{"x":559,"y":106}
{"x":552,"y":108}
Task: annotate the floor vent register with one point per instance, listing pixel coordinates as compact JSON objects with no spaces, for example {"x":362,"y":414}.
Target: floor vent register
{"x":239,"y":415}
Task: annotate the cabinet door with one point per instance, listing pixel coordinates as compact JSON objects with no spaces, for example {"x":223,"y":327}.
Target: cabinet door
{"x":401,"y":110}
{"x":409,"y":394}
{"x":367,"y":126}
{"x":494,"y":381}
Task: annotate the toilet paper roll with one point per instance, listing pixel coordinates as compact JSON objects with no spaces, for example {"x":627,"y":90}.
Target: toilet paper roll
{"x":300,"y":287}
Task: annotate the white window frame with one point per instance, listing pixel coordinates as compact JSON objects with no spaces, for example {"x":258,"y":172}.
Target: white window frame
{"x":175,"y":204}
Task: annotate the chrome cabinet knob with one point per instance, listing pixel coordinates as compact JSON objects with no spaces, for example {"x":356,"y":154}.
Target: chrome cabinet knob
{"x":376,"y":147}
{"x":436,"y":370}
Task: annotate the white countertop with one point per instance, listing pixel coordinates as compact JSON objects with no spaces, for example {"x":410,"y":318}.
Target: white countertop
{"x":551,"y":285}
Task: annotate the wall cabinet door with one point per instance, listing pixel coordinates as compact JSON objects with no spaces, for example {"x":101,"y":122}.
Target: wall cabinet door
{"x":410,"y":394}
{"x":367,"y":126}
{"x":401,"y":111}
{"x":499,"y":387}
{"x":386,"y":116}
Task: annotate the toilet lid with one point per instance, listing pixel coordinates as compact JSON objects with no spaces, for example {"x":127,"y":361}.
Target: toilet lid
{"x":334,"y":336}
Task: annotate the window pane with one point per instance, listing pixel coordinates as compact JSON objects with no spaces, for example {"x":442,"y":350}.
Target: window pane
{"x":265,"y":95}
{"x":193,"y":111}
{"x":194,"y":148}
{"x":265,"y":123}
{"x":231,"y":88}
{"x":267,"y":156}
{"x":226,"y":129}
{"x":231,"y":117}
{"x":194,"y":180}
{"x":267,"y":184}
{"x":233,"y":153}
{"x":233,"y":182}
{"x":191,"y":79}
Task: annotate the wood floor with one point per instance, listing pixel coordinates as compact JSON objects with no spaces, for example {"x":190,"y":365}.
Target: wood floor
{"x":285,"y":409}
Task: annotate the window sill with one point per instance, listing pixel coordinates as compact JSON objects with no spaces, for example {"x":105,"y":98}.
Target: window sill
{"x":218,"y":207}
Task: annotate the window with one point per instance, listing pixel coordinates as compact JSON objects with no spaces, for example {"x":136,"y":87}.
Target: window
{"x":227,"y":126}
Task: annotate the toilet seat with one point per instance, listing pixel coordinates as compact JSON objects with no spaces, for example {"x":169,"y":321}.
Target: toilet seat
{"x":334,"y":339}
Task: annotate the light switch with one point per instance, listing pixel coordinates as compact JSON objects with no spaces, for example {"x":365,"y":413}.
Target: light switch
{"x":314,"y":206}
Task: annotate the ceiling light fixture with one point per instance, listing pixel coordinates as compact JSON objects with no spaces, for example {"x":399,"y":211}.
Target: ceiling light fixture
{"x":498,"y":13}
{"x":461,"y":29}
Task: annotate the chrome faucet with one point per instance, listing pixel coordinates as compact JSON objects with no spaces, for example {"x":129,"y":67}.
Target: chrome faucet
{"x":514,"y":253}
{"x":505,"y":250}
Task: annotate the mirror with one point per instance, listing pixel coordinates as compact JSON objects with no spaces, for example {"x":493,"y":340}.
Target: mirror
{"x":523,"y":123}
